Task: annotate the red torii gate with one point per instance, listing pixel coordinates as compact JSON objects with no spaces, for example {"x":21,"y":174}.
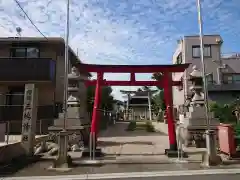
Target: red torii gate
{"x":165,"y":83}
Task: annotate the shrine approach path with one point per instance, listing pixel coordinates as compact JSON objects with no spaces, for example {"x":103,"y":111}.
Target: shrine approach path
{"x":116,"y":141}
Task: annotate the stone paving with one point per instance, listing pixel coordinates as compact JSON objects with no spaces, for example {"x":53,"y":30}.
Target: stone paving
{"x":138,"y":146}
{"x":117,"y":141}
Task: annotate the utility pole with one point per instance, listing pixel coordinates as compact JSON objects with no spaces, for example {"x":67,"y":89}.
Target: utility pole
{"x":62,"y":160}
{"x":66,"y":68}
{"x":212,"y":157}
{"x":203,"y":64}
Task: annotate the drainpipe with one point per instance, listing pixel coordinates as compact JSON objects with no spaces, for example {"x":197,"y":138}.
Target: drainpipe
{"x":221,"y":66}
{"x":219,"y":73}
{"x":218,"y":76}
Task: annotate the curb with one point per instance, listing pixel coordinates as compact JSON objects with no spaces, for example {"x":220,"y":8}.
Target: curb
{"x":137,"y":161}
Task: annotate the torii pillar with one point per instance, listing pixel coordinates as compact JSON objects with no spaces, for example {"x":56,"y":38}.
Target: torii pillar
{"x":168,"y":97}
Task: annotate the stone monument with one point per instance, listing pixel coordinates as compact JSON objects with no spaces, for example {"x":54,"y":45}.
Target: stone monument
{"x":29,"y":118}
{"x":78,"y":122}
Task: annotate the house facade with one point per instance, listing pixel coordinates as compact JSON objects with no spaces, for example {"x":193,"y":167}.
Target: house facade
{"x":222,"y":70}
{"x":32,"y":60}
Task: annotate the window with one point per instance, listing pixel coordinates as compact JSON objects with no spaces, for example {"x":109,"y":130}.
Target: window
{"x":207,"y":51}
{"x":227,"y":79}
{"x":19,"y":52}
{"x":29,"y":52}
{"x":179,"y":59}
{"x":209,"y":79}
{"x":196,"y":52}
{"x":231,"y":78}
{"x":236,"y":78}
{"x":32,"y":52}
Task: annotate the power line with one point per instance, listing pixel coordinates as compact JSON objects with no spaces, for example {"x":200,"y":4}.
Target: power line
{"x":19,"y":5}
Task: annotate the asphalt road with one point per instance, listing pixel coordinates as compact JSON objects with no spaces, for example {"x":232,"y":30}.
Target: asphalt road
{"x":192,"y":177}
{"x":185,"y":177}
{"x":207,"y":174}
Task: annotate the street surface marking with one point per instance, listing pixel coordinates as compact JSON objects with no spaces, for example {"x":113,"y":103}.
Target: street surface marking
{"x":130,"y":175}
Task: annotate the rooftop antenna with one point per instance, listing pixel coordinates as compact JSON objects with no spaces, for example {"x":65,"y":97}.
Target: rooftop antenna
{"x":19,"y":30}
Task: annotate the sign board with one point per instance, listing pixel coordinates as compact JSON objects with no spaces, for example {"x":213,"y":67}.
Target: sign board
{"x":29,"y":118}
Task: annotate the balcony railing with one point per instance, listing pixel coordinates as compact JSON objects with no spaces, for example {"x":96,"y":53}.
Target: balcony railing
{"x":27,"y":69}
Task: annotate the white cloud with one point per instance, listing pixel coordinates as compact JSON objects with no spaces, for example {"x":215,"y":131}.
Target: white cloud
{"x":121,"y":31}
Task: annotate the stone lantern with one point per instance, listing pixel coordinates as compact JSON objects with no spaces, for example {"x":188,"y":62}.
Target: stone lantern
{"x":195,"y":121}
{"x":73,"y":88}
{"x":197,"y":87}
{"x":78,"y":122}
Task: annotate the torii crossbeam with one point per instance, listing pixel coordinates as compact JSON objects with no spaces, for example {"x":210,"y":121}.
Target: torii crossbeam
{"x":166,"y":83}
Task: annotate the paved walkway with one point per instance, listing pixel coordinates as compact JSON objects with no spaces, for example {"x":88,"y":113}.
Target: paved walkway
{"x":117,"y":141}
{"x":139,"y":146}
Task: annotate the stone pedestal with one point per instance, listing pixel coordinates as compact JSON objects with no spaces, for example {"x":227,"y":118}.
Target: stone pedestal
{"x":196,"y":119}
{"x":210,"y":158}
{"x":63,"y":160}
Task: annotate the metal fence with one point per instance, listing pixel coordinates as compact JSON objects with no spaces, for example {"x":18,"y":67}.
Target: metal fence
{"x":11,"y":108}
{"x":11,"y":113}
{"x":11,"y":130}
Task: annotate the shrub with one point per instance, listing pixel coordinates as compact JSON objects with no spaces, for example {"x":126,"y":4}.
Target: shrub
{"x":149,"y":126}
{"x":223,"y":112}
{"x":131,"y":126}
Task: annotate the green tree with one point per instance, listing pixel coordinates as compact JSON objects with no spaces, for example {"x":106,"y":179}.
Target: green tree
{"x":223,"y":112}
{"x":158,"y":77}
{"x":90,"y":98}
{"x":158,"y":99}
{"x":107,"y":99}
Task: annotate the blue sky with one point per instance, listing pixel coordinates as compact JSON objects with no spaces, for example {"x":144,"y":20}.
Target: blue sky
{"x":124,"y":31}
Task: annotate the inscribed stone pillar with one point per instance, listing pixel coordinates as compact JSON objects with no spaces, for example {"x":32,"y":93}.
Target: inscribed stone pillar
{"x":29,"y":118}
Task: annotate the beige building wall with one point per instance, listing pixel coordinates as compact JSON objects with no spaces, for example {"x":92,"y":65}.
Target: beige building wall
{"x":46,"y":91}
{"x":211,"y":64}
